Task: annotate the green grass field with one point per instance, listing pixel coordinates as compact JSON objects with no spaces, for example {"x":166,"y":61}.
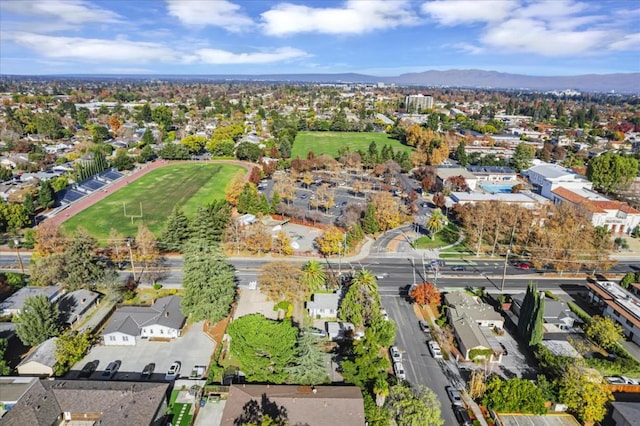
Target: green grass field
{"x":187,"y":185}
{"x":330,"y":142}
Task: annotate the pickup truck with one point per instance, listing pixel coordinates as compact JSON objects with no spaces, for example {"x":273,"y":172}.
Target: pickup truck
{"x":197,"y":372}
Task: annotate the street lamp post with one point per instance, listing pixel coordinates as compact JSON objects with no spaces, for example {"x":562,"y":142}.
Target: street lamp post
{"x":17,"y":244}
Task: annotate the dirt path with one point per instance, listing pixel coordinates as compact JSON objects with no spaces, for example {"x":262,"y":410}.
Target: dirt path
{"x":103,"y":193}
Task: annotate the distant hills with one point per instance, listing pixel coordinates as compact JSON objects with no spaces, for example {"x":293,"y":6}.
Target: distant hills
{"x":619,"y":83}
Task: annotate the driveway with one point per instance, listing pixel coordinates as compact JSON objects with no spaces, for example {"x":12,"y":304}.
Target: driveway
{"x":192,"y":348}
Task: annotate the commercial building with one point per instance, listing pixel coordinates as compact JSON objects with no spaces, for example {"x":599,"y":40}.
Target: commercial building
{"x":417,"y":103}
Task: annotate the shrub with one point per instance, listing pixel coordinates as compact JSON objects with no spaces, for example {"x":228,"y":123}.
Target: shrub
{"x":579,"y":312}
{"x":157,"y":286}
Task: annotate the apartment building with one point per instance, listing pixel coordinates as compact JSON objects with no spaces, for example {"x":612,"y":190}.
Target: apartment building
{"x":618,"y":304}
{"x":417,"y":103}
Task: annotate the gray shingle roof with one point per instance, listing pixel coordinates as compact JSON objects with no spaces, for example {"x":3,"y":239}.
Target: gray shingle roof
{"x":76,"y":303}
{"x":329,"y":405}
{"x":117,"y":403}
{"x":44,"y":353}
{"x":130,"y":319}
{"x":17,"y":299}
{"x":324,"y":301}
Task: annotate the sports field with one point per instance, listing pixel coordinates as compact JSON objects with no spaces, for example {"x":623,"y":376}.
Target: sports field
{"x":187,"y":185}
{"x":330,"y":142}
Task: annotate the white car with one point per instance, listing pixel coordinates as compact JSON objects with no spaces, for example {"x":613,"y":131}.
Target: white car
{"x":396,"y":355}
{"x":454,"y":395}
{"x":435,"y":350}
{"x":174,"y":371}
{"x":398,"y":368}
{"x":384,"y":314}
{"x":621,"y":380}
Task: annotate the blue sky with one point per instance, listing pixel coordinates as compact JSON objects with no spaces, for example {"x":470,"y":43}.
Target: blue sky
{"x":556,"y":37}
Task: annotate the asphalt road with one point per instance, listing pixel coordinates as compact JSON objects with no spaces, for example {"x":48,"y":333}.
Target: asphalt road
{"x":419,"y":365}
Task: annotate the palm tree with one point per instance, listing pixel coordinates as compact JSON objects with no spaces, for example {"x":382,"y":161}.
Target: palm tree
{"x":381,"y":390}
{"x":365,"y":280}
{"x":313,"y":275}
{"x":436,"y":222}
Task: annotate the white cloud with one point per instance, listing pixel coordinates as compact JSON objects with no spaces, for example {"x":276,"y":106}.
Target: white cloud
{"x":356,"y":17}
{"x":533,"y":36}
{"x":69,"y":11}
{"x":628,"y":42}
{"x":89,"y":49}
{"x":136,"y":52}
{"x":217,"y":13}
{"x":468,"y":11}
{"x":469,"y":48}
{"x":223,"y":57}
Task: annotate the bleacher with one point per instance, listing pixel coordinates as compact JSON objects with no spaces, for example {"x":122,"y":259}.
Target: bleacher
{"x":70,"y":195}
{"x":110,"y":175}
{"x":92,"y":184}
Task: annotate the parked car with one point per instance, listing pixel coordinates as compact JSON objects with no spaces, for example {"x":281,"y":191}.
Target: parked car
{"x":398,"y":368}
{"x":523,"y":265}
{"x":318,"y":332}
{"x":88,"y":369}
{"x":112,"y":369}
{"x":435,"y":350}
{"x":174,"y":371}
{"x":384,"y":314}
{"x":621,"y":380}
{"x":148,"y":370}
{"x":454,"y":395}
{"x":458,"y":268}
{"x":462,"y":416}
{"x":396,"y":355}
{"x":424,"y":326}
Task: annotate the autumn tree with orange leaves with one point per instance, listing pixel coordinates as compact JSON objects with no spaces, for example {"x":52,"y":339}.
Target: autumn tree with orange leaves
{"x":425,"y":293}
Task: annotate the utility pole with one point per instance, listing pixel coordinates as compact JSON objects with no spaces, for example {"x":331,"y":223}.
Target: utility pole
{"x":133,"y":269}
{"x":504,"y":270}
{"x":413,"y":268}
{"x":343,"y":247}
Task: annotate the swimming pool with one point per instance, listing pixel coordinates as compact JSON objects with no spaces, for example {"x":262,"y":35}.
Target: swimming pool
{"x":495,"y":188}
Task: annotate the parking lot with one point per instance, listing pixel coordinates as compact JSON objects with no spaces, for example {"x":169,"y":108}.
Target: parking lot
{"x":192,"y":348}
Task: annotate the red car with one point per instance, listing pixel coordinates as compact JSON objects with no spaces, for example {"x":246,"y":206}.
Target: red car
{"x":523,"y":265}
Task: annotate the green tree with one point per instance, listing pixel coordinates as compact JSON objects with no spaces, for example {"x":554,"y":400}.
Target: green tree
{"x":417,"y":406}
{"x":369,"y":222}
{"x":5,"y":174}
{"x":208,"y":282}
{"x":70,"y":348}
{"x":249,"y":200}
{"x":194,"y":144}
{"x":313,"y":276}
{"x":275,"y":201}
{"x":147,"y":137}
{"x":122,"y":160}
{"x":361,"y":301}
{"x":367,"y":365}
{"x":264,"y":347}
{"x":176,"y":231}
{"x":436,"y":222}
{"x":537,"y":328}
{"x":611,"y":172}
{"x":145,"y":113}
{"x":38,"y":320}
{"x":146,"y":154}
{"x":461,"y":154}
{"x":46,"y":195}
{"x":210,"y":222}
{"x":604,"y":331}
{"x":47,"y":270}
{"x":163,"y":116}
{"x":81,"y":267}
{"x":99,"y":133}
{"x":308,"y":364}
{"x":248,"y":151}
{"x":630,"y":278}
{"x":513,"y":396}
{"x":585,"y":393}
{"x":5,"y":370}
{"x":522,"y":156}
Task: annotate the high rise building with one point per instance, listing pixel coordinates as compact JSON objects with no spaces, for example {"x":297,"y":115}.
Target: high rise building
{"x":417,"y":103}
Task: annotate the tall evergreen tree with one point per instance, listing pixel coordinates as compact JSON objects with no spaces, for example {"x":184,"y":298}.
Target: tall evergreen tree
{"x":81,"y":267}
{"x":308,"y":366}
{"x":176,"y":231}
{"x":537,"y":328}
{"x":461,"y":154}
{"x":38,"y":320}
{"x":208,"y":282}
{"x":46,"y":195}
{"x":369,"y":222}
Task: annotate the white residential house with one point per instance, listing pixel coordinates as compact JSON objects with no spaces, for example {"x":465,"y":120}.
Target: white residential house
{"x":323,"y":305}
{"x":444,"y":173}
{"x":163,"y":319}
{"x":14,"y":303}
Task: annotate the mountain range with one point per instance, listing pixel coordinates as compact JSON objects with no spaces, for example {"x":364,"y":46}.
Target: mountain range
{"x":602,"y":83}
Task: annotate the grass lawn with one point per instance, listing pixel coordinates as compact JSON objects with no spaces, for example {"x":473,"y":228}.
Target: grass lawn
{"x":448,"y":235}
{"x":187,"y":185}
{"x":146,"y":295}
{"x":176,"y":408}
{"x":330,"y":142}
